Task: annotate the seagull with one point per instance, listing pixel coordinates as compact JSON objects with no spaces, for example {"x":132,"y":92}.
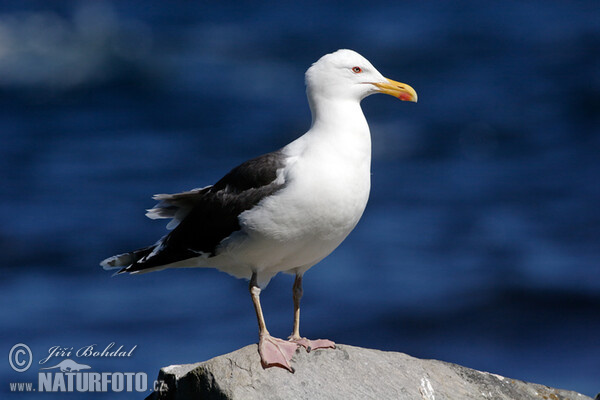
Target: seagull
{"x":283,"y":211}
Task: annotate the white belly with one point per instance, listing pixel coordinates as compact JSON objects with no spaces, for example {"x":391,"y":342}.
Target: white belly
{"x":305,"y":221}
{"x":327,"y":182}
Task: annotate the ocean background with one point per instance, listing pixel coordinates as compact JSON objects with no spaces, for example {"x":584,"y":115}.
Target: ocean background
{"x":481,"y":241}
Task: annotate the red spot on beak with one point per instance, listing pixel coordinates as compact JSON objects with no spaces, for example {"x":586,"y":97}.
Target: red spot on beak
{"x":405,"y":97}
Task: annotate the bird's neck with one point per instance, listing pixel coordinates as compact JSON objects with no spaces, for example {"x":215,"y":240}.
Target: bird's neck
{"x":338,"y":117}
{"x":341,"y":126}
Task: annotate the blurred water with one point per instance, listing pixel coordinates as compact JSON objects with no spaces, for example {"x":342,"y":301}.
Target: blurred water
{"x":480,"y":242}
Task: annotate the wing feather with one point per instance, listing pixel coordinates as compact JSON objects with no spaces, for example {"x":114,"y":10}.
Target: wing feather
{"x":202,"y":218}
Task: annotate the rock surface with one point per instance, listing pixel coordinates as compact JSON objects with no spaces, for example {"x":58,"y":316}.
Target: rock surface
{"x":344,"y":373}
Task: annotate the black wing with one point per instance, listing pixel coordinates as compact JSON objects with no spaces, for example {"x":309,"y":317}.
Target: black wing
{"x":206,"y":216}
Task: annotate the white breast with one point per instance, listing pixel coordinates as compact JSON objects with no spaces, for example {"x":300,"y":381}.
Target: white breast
{"x":327,"y":188}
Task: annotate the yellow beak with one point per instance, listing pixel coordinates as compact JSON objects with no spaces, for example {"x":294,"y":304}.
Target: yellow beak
{"x":397,"y":89}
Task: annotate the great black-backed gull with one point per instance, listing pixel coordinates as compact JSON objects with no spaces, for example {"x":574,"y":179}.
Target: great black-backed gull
{"x":283,"y":211}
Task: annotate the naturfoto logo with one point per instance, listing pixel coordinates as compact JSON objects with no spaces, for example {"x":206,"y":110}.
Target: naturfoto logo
{"x":60,"y":373}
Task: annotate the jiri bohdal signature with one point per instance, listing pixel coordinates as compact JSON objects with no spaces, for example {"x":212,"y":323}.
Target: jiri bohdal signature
{"x":91,"y":350}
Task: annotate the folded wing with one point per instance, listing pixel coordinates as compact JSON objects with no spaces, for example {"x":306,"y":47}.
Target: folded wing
{"x":202,"y":218}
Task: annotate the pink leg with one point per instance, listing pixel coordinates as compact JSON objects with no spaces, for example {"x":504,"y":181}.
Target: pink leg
{"x":295,"y":336}
{"x":273,"y":352}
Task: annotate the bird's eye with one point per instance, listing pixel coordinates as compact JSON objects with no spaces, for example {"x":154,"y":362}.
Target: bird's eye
{"x":357,"y":70}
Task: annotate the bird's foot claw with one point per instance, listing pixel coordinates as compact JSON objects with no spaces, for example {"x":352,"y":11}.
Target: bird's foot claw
{"x":313,"y":344}
{"x":275,"y":352}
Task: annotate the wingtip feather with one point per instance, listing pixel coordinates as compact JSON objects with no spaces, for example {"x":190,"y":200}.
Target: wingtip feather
{"x":118,"y":261}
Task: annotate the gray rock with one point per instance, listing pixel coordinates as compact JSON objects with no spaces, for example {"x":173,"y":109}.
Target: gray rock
{"x":344,"y":373}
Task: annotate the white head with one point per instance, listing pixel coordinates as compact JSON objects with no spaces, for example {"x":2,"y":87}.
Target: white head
{"x":345,"y":74}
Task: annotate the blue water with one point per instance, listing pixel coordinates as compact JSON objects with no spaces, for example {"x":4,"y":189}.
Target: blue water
{"x":480,"y":243}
